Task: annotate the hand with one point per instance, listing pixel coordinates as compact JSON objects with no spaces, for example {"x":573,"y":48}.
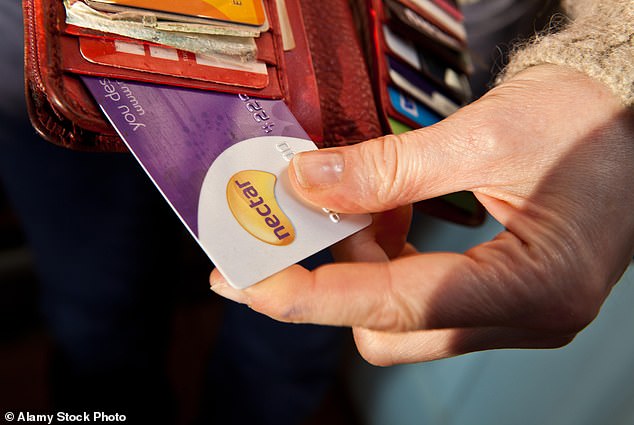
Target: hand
{"x":549,"y":153}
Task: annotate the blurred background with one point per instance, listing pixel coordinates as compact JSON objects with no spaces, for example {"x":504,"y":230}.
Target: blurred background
{"x":587,"y":382}
{"x":27,"y":348}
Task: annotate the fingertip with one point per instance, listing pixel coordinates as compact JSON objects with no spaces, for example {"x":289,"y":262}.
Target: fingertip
{"x":282,"y":295}
{"x":318,"y":177}
{"x":219,"y":285}
{"x":373,"y":353}
{"x":317,"y":169}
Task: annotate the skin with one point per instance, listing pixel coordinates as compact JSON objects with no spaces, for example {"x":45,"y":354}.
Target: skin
{"x":548,"y":153}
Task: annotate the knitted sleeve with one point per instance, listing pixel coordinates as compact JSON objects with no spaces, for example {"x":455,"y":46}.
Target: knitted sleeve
{"x":598,"y":41}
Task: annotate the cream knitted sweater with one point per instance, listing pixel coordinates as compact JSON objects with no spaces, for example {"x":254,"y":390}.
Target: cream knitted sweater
{"x":598,"y":40}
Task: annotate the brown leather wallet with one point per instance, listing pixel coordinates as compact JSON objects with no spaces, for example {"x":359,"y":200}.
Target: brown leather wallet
{"x":324,"y":80}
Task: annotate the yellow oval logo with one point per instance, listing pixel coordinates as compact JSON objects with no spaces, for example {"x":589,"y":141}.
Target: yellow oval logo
{"x":251,"y":198}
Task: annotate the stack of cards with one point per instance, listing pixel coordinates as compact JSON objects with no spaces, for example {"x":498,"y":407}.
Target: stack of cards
{"x":214,"y":97}
{"x":420,"y":64}
{"x":420,"y":60}
{"x":214,"y":41}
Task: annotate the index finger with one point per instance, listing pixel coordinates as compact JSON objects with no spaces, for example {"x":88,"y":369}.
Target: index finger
{"x":426,"y":291}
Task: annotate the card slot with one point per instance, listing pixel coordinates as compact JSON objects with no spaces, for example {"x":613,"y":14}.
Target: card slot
{"x":84,"y":126}
{"x":409,"y":110}
{"x":451,"y":7}
{"x":379,"y":68}
{"x":266,"y":46}
{"x":400,"y":113}
{"x":394,"y":103}
{"x":348,"y":105}
{"x":453,"y":54}
{"x":453,"y":81}
{"x":303,"y":97}
{"x":424,"y":25}
{"x":162,"y":60}
{"x":278,"y":49}
{"x":416,"y":85}
{"x":265,"y":42}
{"x":73,"y":62}
{"x":438,"y":16}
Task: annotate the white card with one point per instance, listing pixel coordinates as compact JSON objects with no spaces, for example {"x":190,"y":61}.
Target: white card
{"x":220,"y":160}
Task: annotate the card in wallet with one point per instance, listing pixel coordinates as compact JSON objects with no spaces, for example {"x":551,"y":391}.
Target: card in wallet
{"x":63,"y":111}
{"x":220,"y":161}
{"x":147,"y":57}
{"x":418,"y":80}
{"x":337,"y":90}
{"x":250,"y":12}
{"x":441,"y":14}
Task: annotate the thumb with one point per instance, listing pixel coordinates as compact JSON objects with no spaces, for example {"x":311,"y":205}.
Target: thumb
{"x":390,"y":171}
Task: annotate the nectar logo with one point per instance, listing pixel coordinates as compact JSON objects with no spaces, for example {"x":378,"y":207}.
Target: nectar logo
{"x":251,"y":198}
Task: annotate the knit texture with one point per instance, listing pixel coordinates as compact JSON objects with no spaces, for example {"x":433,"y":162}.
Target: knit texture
{"x":598,"y":40}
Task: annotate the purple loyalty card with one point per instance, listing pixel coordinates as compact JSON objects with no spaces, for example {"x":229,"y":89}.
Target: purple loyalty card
{"x":220,"y":161}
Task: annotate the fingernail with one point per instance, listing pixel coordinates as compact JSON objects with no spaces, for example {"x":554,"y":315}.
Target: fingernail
{"x":317,"y":169}
{"x":223,"y":289}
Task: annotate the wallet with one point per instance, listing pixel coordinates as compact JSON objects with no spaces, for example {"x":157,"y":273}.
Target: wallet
{"x":339,"y":80}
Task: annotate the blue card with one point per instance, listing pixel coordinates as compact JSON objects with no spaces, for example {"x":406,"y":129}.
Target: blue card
{"x":411,"y":108}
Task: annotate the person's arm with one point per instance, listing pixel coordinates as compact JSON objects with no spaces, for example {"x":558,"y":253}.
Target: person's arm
{"x":598,"y":41}
{"x":549,"y":153}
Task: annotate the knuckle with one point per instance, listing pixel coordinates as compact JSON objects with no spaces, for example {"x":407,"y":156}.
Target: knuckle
{"x":576,"y":310}
{"x":390,"y":164}
{"x":394,"y":311}
{"x":484,"y":138}
{"x":388,"y":317}
{"x":289,"y":309}
{"x":578,"y":294}
{"x":574,"y":305}
{"x":552,"y":293}
{"x":273,"y":309}
{"x":538,"y":287}
{"x":487,"y":138}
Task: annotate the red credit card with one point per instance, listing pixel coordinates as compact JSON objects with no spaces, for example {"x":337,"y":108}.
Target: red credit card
{"x":157,"y":59}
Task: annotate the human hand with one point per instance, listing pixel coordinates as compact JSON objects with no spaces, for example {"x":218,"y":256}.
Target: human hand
{"x":550,"y":155}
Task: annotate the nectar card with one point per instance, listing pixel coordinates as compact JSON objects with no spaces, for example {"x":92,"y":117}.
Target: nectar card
{"x":220,"y":161}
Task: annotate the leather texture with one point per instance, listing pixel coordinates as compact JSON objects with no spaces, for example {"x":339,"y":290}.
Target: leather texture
{"x":304,"y":103}
{"x":59,"y":107}
{"x":64,"y":113}
{"x":347,"y":101}
{"x":325,"y":80}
